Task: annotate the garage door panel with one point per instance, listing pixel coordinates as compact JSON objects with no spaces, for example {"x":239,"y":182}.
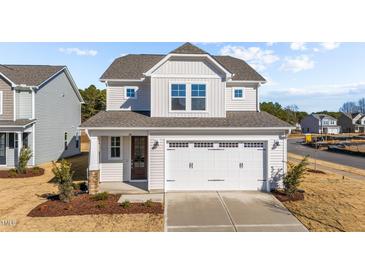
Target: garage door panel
{"x":214,"y":165}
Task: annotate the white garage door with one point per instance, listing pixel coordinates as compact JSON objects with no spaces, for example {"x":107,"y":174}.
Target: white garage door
{"x":215,"y":165}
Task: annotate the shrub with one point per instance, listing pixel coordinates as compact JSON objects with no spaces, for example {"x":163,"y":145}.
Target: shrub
{"x":148,"y":203}
{"x":102,"y":196}
{"x":24,"y":157}
{"x":294,"y":176}
{"x":36,"y":170}
{"x":100,"y":206}
{"x":12,"y":173}
{"x":125,"y":204}
{"x":63,"y":176}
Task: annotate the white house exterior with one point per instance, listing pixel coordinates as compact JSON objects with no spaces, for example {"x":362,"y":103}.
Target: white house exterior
{"x":320,"y":124}
{"x":40,"y":107}
{"x":185,"y":121}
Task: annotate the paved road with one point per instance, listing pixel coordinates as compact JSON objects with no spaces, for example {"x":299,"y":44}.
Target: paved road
{"x":295,"y":147}
{"x":227,"y":211}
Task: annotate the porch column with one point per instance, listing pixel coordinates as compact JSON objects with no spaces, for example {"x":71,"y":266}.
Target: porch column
{"x":94,"y":172}
{"x":20,"y":142}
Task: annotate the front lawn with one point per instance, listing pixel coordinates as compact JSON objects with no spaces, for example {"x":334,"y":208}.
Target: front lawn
{"x":331,"y":203}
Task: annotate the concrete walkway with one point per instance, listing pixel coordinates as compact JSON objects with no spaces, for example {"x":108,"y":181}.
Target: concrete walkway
{"x":227,"y":211}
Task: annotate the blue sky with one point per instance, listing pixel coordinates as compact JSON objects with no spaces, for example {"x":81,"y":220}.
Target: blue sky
{"x":313,"y":76}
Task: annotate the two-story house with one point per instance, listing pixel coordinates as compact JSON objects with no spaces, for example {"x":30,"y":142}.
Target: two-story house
{"x":320,"y":124}
{"x":352,"y":122}
{"x":187,"y":120}
{"x":40,"y":107}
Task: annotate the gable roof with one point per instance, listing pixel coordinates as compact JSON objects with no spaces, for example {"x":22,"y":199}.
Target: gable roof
{"x":320,"y":116}
{"x":133,"y":66}
{"x":29,"y":75}
{"x":234,"y":119}
{"x":188,"y":48}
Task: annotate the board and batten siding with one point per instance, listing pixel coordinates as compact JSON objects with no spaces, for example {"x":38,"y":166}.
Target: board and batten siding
{"x":8,"y":100}
{"x":248,"y":103}
{"x":275,"y":165}
{"x":23,"y":104}
{"x":160,"y":97}
{"x":115,"y":170}
{"x":116,"y":99}
{"x":57,"y":110}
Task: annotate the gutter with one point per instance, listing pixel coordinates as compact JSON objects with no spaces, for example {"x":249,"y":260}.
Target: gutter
{"x":187,"y":128}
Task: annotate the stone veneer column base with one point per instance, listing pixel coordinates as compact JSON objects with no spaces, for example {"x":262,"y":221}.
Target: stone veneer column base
{"x":93,"y":182}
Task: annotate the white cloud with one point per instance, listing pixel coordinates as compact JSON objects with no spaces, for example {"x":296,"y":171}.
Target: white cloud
{"x":123,"y":54}
{"x":330,"y":90}
{"x":255,"y":56}
{"x":330,"y":45}
{"x":270,"y":44}
{"x":298,"y":46}
{"x":296,"y":64}
{"x":79,"y":52}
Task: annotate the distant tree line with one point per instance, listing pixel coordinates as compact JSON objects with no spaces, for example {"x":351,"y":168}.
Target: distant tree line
{"x":95,"y":101}
{"x":353,"y":107}
{"x":290,"y":114}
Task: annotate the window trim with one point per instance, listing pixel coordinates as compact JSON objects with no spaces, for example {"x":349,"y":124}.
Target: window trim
{"x":110,"y":148}
{"x":135,"y":92}
{"x":191,"y":97}
{"x":186,"y":96}
{"x":1,"y":102}
{"x":238,"y":98}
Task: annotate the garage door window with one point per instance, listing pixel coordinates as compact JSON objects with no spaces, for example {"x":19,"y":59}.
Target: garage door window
{"x":228,"y":144}
{"x":253,"y":144}
{"x":203,"y":145}
{"x":174,"y":145}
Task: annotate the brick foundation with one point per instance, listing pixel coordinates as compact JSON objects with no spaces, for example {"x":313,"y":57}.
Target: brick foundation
{"x":93,"y":182}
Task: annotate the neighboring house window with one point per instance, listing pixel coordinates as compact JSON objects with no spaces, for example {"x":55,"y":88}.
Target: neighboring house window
{"x":115,"y":147}
{"x":11,"y":140}
{"x":198,"y":94}
{"x":131,"y":92}
{"x":66,"y":145}
{"x":238,"y":94}
{"x":77,"y":140}
{"x":178,"y":97}
{"x":1,"y":102}
{"x":25,"y":139}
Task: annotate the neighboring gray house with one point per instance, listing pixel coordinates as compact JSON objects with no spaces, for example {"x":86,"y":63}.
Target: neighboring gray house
{"x":352,"y":122}
{"x":187,"y":120}
{"x":320,"y":123}
{"x":40,"y":107}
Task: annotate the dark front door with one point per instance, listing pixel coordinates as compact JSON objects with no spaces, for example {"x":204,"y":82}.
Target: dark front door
{"x":139,"y":158}
{"x":2,"y":148}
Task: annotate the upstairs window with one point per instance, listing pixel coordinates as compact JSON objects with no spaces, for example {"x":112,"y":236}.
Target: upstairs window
{"x":238,"y":94}
{"x":178,"y":97}
{"x":131,"y":92}
{"x":198,"y":97}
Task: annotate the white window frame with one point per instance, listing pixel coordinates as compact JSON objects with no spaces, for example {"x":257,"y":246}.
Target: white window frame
{"x":135,"y":92}
{"x":205,"y":97}
{"x":186,"y":97}
{"x":110,"y":148}
{"x":1,"y":102}
{"x":238,"y":98}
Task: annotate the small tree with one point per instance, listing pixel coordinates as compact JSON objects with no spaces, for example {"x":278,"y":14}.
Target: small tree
{"x":24,"y":157}
{"x":294,"y":176}
{"x":64,"y":176}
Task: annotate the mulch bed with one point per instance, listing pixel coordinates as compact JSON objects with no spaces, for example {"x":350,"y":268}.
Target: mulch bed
{"x":28,"y":173}
{"x":282,"y":197}
{"x":84,"y":205}
{"x":315,"y":171}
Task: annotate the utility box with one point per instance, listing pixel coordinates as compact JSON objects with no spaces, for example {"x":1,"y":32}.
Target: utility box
{"x":308,"y":138}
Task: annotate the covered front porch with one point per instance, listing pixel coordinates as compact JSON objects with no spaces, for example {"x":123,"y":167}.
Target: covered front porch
{"x":13,"y":136}
{"x":118,"y":161}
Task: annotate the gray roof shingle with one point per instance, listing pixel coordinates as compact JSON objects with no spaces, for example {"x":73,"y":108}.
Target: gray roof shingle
{"x":16,"y":123}
{"x":29,"y":75}
{"x":132,"y":119}
{"x":132,"y":66}
{"x":320,"y":116}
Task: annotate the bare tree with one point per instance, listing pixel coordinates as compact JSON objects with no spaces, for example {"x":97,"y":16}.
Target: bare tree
{"x":361,"y":104}
{"x":349,"y":107}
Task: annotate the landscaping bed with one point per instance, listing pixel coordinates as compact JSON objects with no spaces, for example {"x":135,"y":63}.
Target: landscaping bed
{"x":85,"y":204}
{"x":29,"y":172}
{"x":283,"y":197}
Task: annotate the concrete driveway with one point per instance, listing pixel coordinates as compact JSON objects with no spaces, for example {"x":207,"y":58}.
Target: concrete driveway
{"x":227,"y":211}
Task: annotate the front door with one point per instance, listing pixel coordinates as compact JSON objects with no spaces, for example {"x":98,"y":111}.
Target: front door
{"x":139,"y":158}
{"x":2,"y":148}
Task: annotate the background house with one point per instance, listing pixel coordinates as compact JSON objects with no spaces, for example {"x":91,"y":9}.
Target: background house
{"x":352,"y":122}
{"x":320,"y":124}
{"x":40,"y":107}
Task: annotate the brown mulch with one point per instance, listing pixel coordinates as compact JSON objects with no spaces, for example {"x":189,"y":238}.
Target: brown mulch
{"x":84,"y":205}
{"x":315,"y":171}
{"x":282,"y":197}
{"x":28,"y":173}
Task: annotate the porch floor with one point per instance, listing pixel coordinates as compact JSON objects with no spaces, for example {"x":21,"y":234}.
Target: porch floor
{"x":124,"y":187}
